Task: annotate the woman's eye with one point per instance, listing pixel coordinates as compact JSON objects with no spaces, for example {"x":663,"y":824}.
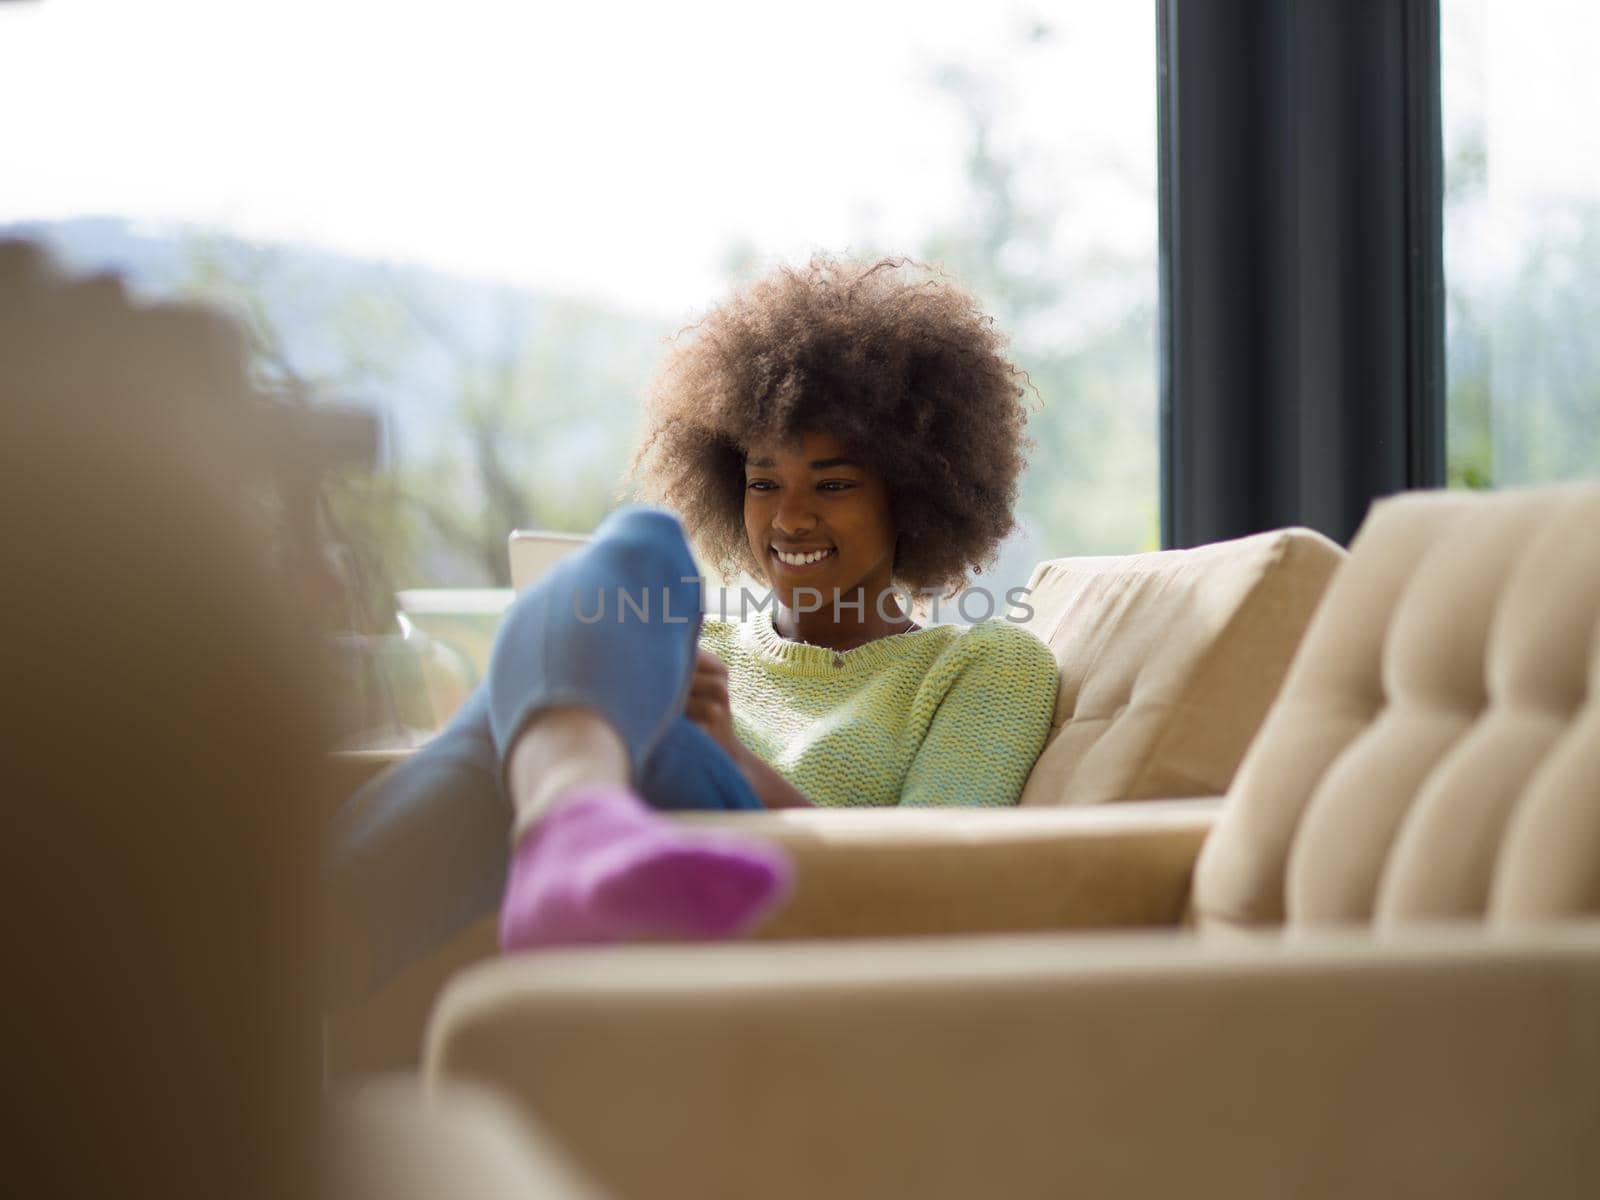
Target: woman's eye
{"x":835,"y":485}
{"x":759,"y":485}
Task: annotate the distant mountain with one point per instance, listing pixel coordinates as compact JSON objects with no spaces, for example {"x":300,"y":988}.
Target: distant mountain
{"x":407,"y":331}
{"x":564,"y":377}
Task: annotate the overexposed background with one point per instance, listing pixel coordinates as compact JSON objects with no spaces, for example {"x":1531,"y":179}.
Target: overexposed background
{"x":484,"y":218}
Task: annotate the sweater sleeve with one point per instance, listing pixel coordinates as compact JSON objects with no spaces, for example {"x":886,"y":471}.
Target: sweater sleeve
{"x":993,"y":697}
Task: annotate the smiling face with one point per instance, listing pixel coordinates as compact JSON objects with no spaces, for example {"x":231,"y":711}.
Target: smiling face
{"x":817,"y":518}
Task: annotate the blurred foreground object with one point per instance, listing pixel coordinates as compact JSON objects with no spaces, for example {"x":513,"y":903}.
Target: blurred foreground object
{"x":160,"y":758}
{"x":157,"y":735}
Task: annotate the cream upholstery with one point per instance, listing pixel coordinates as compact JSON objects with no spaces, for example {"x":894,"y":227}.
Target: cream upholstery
{"x":1169,"y":661}
{"x":1422,"y":800}
{"x":1436,"y":749}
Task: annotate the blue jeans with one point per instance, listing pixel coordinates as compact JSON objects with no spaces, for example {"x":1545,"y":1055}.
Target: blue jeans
{"x":421,"y":851}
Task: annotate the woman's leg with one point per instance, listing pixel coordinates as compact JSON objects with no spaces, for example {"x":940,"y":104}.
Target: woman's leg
{"x":422,"y":851}
{"x":689,"y":771}
{"x":417,"y":854}
{"x":604,"y":654}
{"x":614,"y":630}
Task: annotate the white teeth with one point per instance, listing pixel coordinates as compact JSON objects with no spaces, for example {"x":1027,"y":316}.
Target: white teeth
{"x":800,"y":560}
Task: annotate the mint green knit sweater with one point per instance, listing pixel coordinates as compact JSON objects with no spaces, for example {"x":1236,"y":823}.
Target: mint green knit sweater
{"x":941,"y":716}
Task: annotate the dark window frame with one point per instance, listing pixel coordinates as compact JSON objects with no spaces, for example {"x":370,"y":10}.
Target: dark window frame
{"x":1301,"y":262}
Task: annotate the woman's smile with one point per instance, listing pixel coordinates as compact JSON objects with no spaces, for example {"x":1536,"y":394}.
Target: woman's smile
{"x":802,"y":562}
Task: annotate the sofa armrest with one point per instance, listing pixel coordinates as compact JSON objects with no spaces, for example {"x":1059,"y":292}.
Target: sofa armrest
{"x":901,"y":872}
{"x":1443,"y":1063}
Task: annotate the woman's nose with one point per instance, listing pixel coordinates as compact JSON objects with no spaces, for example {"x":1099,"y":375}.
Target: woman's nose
{"x":795,"y":514}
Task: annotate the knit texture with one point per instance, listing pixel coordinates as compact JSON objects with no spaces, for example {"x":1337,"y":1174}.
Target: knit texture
{"x":941,"y":716}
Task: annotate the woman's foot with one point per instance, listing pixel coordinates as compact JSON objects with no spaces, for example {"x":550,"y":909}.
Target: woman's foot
{"x":601,"y":867}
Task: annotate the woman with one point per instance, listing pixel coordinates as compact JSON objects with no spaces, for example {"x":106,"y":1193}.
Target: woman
{"x":849,"y":433}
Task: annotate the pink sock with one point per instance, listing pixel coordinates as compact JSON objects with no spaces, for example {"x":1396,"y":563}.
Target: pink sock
{"x":602,"y":867}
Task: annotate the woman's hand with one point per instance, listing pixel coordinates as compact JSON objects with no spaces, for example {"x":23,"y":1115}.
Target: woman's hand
{"x":708,"y":705}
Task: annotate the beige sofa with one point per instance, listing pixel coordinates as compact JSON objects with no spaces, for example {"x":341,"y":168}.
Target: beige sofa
{"x":1168,"y":664}
{"x":1392,"y":985}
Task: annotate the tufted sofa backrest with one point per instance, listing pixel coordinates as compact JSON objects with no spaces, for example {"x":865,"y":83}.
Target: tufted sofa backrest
{"x":1169,"y":661}
{"x":1435,"y":751}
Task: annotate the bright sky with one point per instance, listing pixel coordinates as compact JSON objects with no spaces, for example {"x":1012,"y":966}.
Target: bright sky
{"x":1519,"y":75}
{"x":617,"y":151}
{"x":1543,"y":97}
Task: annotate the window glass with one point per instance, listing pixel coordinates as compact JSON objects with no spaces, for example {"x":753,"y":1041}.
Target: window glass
{"x":1521,"y":106}
{"x":482,"y":219}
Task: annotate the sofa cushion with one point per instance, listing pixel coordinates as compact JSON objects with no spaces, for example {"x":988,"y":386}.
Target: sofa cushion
{"x":1169,"y":661}
{"x":1435,"y":753}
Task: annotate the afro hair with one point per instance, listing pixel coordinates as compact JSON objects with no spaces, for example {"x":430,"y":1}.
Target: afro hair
{"x":892,"y":358}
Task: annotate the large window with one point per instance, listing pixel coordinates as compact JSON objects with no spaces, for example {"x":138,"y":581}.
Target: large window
{"x":1522,"y":239}
{"x":482,"y":219}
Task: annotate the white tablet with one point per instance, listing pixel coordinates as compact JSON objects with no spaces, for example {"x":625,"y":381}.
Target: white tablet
{"x":533,"y":552}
